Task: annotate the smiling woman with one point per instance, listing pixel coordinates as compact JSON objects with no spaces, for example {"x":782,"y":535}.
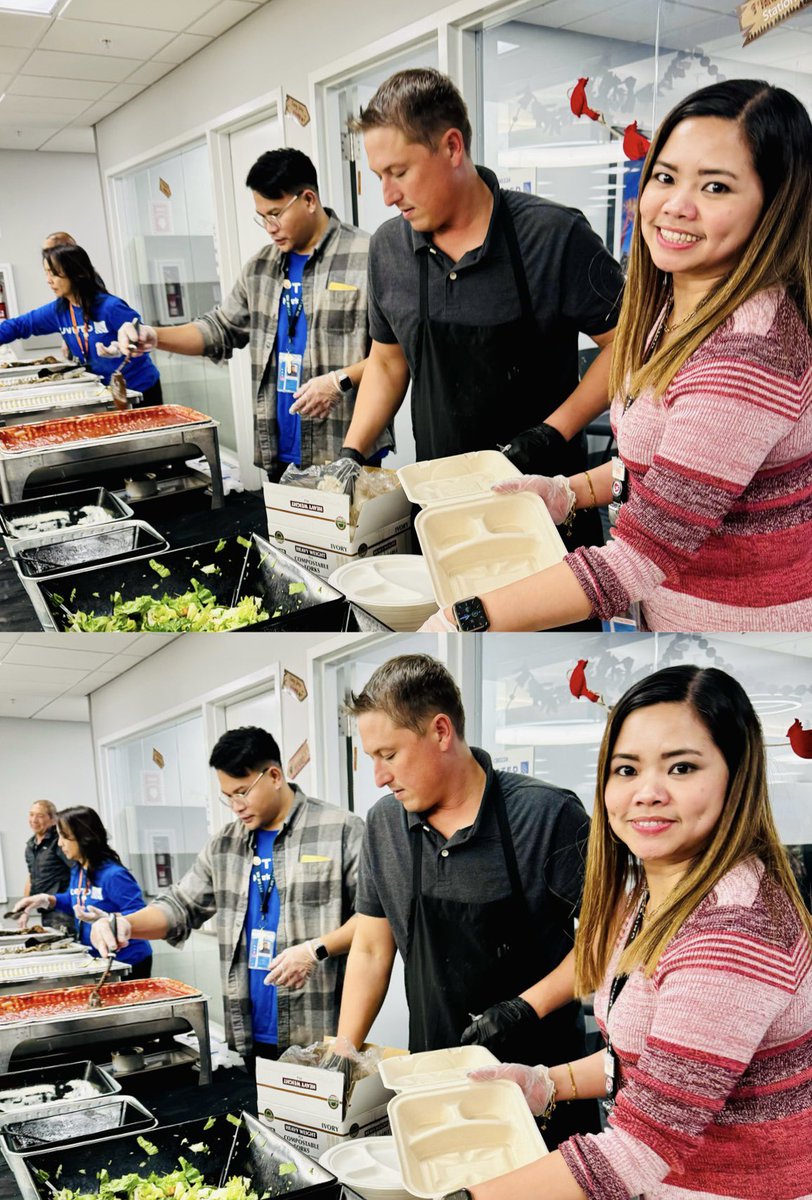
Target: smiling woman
{"x":712,"y":382}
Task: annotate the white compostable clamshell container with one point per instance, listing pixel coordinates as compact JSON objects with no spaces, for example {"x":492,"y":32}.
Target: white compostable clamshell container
{"x":395,"y":588}
{"x":369,"y":1166}
{"x":450,"y":1132}
{"x":475,"y":540}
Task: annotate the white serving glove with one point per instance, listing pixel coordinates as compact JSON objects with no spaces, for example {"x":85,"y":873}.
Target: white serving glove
{"x":293,"y":967}
{"x":554,"y":490}
{"x":102,"y":937}
{"x":317,"y":397}
{"x":535,"y":1082}
{"x":28,"y":906}
{"x":438,"y":623}
{"x":88,"y":914}
{"x":133,"y":342}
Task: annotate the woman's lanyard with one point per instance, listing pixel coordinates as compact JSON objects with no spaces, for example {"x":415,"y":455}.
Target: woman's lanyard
{"x":82,"y":894}
{"x":292,"y":307}
{"x":83,"y":345}
{"x":611,"y":1063}
{"x":620,"y":476}
{"x":265,"y":884}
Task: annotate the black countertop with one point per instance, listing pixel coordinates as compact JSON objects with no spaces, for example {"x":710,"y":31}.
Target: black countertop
{"x":183,"y":522}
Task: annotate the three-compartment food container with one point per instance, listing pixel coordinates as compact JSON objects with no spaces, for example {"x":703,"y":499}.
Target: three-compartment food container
{"x":450,"y":1132}
{"x":475,"y":540}
{"x":369,"y":1166}
{"x":395,"y":588}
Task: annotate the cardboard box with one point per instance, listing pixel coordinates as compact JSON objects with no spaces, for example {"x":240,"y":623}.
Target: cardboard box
{"x":324,"y":517}
{"x":309,"y":1108}
{"x":394,"y":539}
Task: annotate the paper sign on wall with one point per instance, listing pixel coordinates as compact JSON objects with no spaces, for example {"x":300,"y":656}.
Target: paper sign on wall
{"x":293,"y":684}
{"x":152,"y":787}
{"x":164,"y":188}
{"x":158,"y":758}
{"x":160,"y":215}
{"x":295,"y":108}
{"x":299,"y":761}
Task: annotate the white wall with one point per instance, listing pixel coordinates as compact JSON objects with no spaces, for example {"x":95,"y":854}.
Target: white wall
{"x":42,"y":193}
{"x":42,"y":760}
{"x":276,"y":47}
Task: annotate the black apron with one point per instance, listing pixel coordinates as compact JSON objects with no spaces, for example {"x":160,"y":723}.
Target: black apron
{"x":463,"y":956}
{"x":476,"y":386}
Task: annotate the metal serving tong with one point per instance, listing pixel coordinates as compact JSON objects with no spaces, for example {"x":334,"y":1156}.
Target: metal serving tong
{"x":94,"y":1000}
{"x":118,"y":384}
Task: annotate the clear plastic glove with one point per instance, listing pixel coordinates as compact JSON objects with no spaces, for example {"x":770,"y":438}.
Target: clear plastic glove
{"x":29,"y":905}
{"x":340,"y":476}
{"x":538,"y":449}
{"x":103,"y":938}
{"x":317,"y":397}
{"x":438,"y":623}
{"x":293,"y":967}
{"x":555,"y":491}
{"x":134,"y":341}
{"x":499,"y":1024}
{"x":535,"y":1082}
{"x":112,"y":350}
{"x":88,"y":914}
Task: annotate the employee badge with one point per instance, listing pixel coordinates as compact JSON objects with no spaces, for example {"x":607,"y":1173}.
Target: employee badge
{"x":620,"y":488}
{"x":261,"y":950}
{"x":289,"y":373}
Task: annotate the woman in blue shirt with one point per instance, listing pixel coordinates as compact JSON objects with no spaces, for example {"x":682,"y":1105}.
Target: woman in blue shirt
{"x":87,"y":317}
{"x":98,"y":881}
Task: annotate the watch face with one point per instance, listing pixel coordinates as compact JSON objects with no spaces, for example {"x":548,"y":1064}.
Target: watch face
{"x":470,"y":614}
{"x":344,"y":381}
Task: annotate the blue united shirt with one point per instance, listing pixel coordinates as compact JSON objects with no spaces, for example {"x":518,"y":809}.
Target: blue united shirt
{"x":290,"y":424}
{"x":263,"y":999}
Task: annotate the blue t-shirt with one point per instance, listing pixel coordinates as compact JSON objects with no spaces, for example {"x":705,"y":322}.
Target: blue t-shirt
{"x":109,"y":314}
{"x":112,"y":888}
{"x":290,"y":425}
{"x":263,"y":999}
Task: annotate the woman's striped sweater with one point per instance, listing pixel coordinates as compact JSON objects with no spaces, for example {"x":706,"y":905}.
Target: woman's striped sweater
{"x":716,"y":1054}
{"x":717,"y":532}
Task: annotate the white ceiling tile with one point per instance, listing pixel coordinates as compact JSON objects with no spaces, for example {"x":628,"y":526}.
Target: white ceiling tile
{"x":68,"y":89}
{"x":152,"y":14}
{"x":21,"y":30}
{"x":91,"y":116}
{"x":149,"y":643}
{"x":181,"y":48}
{"x":20,"y":707}
{"x":72,"y":654}
{"x":150,"y":72}
{"x":47,"y":678}
{"x":66,"y":708}
{"x":96,"y":679}
{"x":80,"y":66}
{"x":24,"y":139}
{"x":11,"y":59}
{"x":221,"y":18}
{"x":39,"y":109}
{"x":91,"y":37}
{"x":5,"y":81}
{"x":123,"y":92}
{"x":76,"y":140}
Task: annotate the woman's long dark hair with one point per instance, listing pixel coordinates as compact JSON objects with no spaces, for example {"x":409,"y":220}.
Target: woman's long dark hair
{"x":73,"y":263}
{"x":85,"y":826}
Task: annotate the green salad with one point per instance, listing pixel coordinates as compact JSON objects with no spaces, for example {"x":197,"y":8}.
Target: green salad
{"x":185,"y":1183}
{"x":195,"y":611}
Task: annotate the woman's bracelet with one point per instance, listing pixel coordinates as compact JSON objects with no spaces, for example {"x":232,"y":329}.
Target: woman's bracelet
{"x":574,"y":1095}
{"x":594,"y":505}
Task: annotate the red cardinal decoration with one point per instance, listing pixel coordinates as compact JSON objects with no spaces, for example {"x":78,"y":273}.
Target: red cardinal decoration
{"x":578,"y":102}
{"x":800,"y":739}
{"x":578,"y":685}
{"x":635,"y":145}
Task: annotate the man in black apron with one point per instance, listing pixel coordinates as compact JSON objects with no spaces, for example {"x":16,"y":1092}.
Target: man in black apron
{"x":474,"y":875}
{"x":478,"y":296}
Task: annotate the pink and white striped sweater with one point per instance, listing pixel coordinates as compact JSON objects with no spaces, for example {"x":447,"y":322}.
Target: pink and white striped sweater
{"x":717,"y":533}
{"x":716,"y":1054}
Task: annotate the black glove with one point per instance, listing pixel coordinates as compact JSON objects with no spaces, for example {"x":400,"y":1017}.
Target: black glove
{"x":538,"y":451}
{"x":500,"y":1023}
{"x":337,"y":1062}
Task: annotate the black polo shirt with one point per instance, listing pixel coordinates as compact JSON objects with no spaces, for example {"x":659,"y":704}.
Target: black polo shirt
{"x":48,"y":868}
{"x":549,"y":826}
{"x":575,"y":284}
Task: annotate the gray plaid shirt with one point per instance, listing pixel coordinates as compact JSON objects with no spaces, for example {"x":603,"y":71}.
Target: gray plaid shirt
{"x":315,"y":897}
{"x":334,"y":288}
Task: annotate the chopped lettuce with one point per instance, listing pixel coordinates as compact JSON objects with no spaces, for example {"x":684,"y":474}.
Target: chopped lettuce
{"x":221,"y":545}
{"x":159,"y":568}
{"x":244,"y":542}
{"x":295,"y":588}
{"x":186,"y":1182}
{"x":195,"y":611}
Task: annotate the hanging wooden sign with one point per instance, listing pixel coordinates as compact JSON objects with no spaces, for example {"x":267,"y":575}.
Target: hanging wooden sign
{"x":757,"y":17}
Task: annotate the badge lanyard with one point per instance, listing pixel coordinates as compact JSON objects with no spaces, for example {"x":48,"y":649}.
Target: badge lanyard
{"x":83,"y":345}
{"x":262,"y":941}
{"x":264,"y":891}
{"x":620,"y":476}
{"x":611,"y":1065}
{"x":289,"y":371}
{"x":292,"y":308}
{"x":82,"y":895}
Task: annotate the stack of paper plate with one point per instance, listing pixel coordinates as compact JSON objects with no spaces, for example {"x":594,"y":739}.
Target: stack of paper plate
{"x":395,"y":588}
{"x":369,"y":1166}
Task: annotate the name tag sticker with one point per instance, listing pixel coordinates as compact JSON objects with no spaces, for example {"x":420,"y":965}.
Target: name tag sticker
{"x":307,"y":858}
{"x":334,"y":286}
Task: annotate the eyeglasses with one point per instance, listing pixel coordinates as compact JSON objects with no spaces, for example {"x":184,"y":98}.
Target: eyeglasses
{"x":230,"y":801}
{"x":272,"y":221}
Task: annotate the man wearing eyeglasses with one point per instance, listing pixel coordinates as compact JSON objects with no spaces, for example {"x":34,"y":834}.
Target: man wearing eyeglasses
{"x":280,"y":881}
{"x":301,"y":304}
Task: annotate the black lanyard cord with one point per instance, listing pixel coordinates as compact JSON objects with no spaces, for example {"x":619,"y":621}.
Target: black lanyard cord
{"x":293,"y":310}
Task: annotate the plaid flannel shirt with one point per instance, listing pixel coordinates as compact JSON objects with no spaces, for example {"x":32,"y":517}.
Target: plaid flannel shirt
{"x":315,"y":897}
{"x":334,"y":288}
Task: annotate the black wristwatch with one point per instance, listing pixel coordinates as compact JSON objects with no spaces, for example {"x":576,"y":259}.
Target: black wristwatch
{"x":470,"y":615}
{"x":344,"y":382}
{"x":320,"y":950}
{"x":460,"y":1194}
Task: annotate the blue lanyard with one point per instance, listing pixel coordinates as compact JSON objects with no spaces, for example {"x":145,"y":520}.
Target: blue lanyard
{"x":264,"y":891}
{"x":292,"y":308}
